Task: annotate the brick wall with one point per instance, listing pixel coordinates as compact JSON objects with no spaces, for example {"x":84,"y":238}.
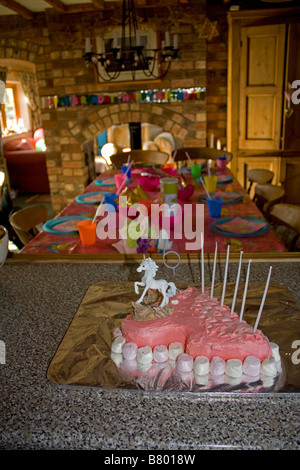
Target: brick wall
{"x":55,"y":46}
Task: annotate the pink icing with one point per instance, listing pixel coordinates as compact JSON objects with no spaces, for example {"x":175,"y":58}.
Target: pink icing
{"x":203,"y":326}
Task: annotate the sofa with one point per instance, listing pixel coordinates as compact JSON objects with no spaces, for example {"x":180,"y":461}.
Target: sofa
{"x":26,"y":166}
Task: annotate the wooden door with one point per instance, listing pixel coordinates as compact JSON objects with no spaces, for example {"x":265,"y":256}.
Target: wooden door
{"x":261,"y":86}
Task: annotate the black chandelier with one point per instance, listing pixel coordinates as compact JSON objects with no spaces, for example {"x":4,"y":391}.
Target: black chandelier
{"x":131,"y":56}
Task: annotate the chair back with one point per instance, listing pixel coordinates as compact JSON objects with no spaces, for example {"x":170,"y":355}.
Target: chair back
{"x":287,"y":215}
{"x":260,"y":176}
{"x":266,"y":195}
{"x":200,"y":153}
{"x":140,"y":157}
{"x":27,"y":222}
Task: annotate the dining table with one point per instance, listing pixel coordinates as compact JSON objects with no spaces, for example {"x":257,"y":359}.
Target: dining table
{"x":241,"y":225}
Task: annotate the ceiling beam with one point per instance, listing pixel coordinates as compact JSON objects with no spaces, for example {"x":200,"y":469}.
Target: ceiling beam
{"x":58,"y":5}
{"x":17,"y":8}
{"x":99,"y":4}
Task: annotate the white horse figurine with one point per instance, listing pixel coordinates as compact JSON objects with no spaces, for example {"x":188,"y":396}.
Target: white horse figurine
{"x":167,"y":289}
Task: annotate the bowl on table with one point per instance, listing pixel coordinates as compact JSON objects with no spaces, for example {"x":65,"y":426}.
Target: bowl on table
{"x":184,"y":194}
{"x":148,"y":183}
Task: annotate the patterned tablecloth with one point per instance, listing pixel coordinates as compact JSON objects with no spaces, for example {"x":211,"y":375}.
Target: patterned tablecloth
{"x":237,"y":205}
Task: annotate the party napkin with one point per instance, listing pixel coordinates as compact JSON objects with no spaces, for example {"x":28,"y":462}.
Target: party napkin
{"x":241,"y":225}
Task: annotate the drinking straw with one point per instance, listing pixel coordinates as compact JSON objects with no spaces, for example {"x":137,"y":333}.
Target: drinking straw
{"x":98,"y":210}
{"x":208,"y":195}
{"x":118,"y":192}
{"x":189,"y":158}
{"x":263,"y":301}
{"x":214,"y":273}
{"x":202,"y":263}
{"x":225,"y":275}
{"x":125,"y":174}
{"x":236,"y":284}
{"x":245,"y":291}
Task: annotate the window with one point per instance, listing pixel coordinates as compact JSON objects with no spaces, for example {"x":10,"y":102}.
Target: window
{"x":10,"y":113}
{"x":148,"y":39}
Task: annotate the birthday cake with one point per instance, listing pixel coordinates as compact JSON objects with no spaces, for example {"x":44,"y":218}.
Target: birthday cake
{"x":194,"y":331}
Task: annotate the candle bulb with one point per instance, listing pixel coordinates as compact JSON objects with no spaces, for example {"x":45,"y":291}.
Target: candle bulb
{"x":167,"y":38}
{"x":225,"y":275}
{"x":236,"y":283}
{"x":88,"y":45}
{"x":175,"y":41}
{"x":100,"y":45}
{"x":115,"y":40}
{"x":138,"y":38}
{"x":262,"y":301}
{"x":245,"y":291}
{"x":214,"y":273}
{"x":202,"y":262}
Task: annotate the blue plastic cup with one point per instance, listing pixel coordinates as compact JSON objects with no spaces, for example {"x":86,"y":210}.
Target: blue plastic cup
{"x":124,"y":169}
{"x":109,"y":199}
{"x":214,"y":206}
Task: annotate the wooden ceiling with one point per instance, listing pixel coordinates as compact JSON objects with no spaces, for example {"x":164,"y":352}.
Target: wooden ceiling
{"x":29,"y":8}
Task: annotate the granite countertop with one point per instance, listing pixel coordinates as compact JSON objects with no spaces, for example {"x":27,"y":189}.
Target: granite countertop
{"x":38,"y":302}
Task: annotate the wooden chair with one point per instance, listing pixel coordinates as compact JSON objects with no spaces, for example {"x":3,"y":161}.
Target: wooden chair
{"x":27,"y":222}
{"x":288,"y":216}
{"x":140,"y":158}
{"x":266,"y":195}
{"x":259,"y":176}
{"x":200,"y":153}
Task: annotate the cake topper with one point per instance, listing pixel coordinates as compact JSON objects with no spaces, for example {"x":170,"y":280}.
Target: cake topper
{"x":167,"y":289}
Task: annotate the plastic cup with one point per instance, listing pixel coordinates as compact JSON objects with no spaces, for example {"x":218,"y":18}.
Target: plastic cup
{"x":221,"y":163}
{"x":109,"y":199}
{"x":124,"y":169}
{"x":87,"y":231}
{"x":119,"y":178}
{"x":196,"y":169}
{"x":214,"y":206}
{"x":211,"y":183}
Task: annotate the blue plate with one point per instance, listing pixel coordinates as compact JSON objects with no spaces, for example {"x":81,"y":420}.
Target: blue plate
{"x":261,"y":231}
{"x":238,"y":198}
{"x":107,"y":184}
{"x":82,"y":198}
{"x":226,"y":180}
{"x":49,"y":226}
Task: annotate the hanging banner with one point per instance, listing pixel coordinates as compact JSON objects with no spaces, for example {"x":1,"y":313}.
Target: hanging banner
{"x":147,"y":96}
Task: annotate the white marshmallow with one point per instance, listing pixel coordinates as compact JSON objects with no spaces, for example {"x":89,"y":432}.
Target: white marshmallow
{"x":175,"y":349}
{"x":117,"y":358}
{"x":251,"y":366}
{"x":217,"y":366}
{"x":234,"y":368}
{"x":117,"y":332}
{"x":184,"y":363}
{"x":201,"y":365}
{"x":117,"y":344}
{"x":161,"y":353}
{"x":275,"y":351}
{"x":130,"y":351}
{"x":268,"y":367}
{"x":144,"y":355}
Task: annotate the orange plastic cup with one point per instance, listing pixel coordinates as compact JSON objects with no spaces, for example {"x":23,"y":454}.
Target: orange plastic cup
{"x":87,"y":232}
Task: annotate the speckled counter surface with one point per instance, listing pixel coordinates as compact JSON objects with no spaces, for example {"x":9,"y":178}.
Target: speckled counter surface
{"x":38,"y":302}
